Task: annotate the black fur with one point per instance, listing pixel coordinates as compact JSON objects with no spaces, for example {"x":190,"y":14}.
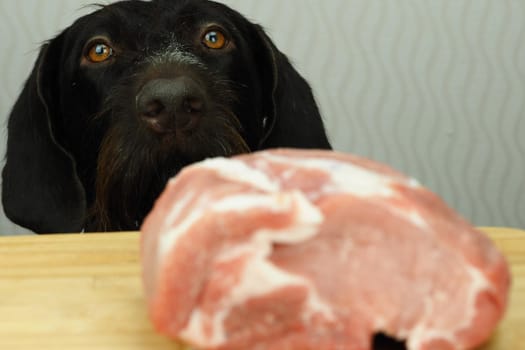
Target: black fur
{"x":81,"y":154}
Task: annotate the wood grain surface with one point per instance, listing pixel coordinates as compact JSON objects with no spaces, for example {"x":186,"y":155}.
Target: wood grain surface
{"x":84,"y":292}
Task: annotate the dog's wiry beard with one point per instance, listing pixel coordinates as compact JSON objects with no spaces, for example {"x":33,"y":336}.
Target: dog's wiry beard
{"x":134,"y":166}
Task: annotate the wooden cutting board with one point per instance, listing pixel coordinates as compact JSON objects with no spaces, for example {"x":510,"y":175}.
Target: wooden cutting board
{"x":70,"y":292}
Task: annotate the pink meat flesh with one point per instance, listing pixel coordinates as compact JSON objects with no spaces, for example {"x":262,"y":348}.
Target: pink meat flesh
{"x":291,"y":249}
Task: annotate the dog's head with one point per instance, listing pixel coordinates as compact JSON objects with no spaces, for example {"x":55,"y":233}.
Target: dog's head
{"x":125,"y":97}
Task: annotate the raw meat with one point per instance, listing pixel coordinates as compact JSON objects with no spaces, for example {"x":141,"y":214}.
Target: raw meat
{"x":290,"y":249}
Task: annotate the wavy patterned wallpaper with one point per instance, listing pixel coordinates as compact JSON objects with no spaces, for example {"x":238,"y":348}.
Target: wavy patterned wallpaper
{"x":435,"y":88}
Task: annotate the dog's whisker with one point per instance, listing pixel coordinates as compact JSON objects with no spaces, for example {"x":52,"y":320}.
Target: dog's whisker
{"x":100,"y":114}
{"x":231,"y":83}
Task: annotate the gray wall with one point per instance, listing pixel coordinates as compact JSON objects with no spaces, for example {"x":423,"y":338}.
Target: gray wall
{"x":436,"y":88}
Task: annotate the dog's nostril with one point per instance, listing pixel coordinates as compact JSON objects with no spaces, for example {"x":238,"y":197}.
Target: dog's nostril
{"x":193,"y":105}
{"x":153,"y":108}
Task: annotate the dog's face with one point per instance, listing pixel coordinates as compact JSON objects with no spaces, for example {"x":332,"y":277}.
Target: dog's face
{"x":128,"y":95}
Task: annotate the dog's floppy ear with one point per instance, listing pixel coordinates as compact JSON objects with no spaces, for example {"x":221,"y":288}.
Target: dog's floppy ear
{"x":40,"y":188}
{"x":292,"y":118}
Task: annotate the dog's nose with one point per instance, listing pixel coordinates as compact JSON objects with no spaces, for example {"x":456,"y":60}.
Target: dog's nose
{"x":167,"y":105}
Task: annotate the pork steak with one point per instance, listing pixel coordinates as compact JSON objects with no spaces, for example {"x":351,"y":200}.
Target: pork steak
{"x":290,"y":249}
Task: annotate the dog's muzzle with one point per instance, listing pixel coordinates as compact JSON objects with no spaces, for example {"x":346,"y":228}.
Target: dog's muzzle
{"x":171,"y":104}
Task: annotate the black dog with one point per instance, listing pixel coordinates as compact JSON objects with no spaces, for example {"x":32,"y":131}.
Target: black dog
{"x":124,"y":98}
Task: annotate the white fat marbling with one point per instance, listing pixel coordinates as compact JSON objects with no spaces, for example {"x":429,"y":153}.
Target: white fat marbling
{"x":238,"y":171}
{"x":345,"y":177}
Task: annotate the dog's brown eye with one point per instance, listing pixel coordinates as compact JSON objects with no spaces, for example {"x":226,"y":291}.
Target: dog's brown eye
{"x":214,"y":39}
{"x":99,"y":52}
